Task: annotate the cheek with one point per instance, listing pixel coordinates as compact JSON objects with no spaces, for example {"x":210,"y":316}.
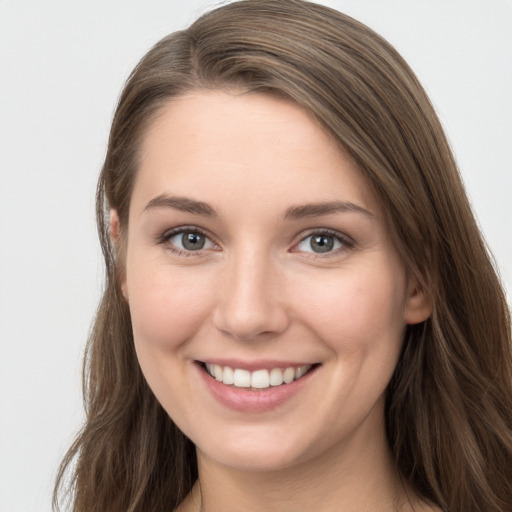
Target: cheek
{"x":167,"y":307}
{"x":167,"y":304}
{"x":359,"y":317}
{"x":358,"y":308}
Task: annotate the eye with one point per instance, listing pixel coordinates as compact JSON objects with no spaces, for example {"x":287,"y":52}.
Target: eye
{"x":187,"y":240}
{"x":323,"y":242}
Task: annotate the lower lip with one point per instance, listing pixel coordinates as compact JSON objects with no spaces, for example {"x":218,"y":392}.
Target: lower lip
{"x":248,"y":400}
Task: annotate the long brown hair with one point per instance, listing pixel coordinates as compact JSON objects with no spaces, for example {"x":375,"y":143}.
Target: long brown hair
{"x":449,"y":404}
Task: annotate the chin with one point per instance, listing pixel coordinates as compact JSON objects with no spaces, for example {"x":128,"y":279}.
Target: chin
{"x":256,"y":452}
{"x":260,"y":461}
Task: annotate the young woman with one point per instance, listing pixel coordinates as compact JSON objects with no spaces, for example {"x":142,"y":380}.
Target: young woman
{"x":300,"y":312}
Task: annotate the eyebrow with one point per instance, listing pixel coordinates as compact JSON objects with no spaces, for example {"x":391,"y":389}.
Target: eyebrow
{"x":181,"y":203}
{"x":295,"y":212}
{"x":319,"y":209}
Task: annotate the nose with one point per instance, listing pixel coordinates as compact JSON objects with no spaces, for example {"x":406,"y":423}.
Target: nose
{"x":250,"y":304}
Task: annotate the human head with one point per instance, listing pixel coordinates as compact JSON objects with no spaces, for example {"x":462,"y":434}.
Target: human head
{"x":359,"y":88}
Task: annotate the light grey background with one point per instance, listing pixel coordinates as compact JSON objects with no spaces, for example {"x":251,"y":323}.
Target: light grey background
{"x":62,"y":65}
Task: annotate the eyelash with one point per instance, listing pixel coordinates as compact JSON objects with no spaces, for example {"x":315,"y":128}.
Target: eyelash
{"x":346,"y":242}
{"x":164,"y":239}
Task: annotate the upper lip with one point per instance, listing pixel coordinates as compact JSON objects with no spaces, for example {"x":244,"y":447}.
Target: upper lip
{"x":259,"y":364}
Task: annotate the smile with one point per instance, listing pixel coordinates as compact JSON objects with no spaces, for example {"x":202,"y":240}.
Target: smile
{"x":251,"y":387}
{"x":259,"y":379}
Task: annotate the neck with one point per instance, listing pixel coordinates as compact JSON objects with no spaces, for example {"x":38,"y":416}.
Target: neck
{"x":356,"y":476}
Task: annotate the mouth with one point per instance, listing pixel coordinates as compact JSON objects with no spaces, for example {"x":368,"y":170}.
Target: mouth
{"x":257,"y":380}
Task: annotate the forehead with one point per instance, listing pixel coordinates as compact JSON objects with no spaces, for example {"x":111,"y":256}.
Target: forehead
{"x":219,"y":144}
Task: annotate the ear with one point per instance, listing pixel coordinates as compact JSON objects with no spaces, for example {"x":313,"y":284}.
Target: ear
{"x":115,"y":226}
{"x":419,"y":302}
{"x":115,"y":234}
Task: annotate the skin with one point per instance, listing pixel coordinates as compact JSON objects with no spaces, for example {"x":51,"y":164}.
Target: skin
{"x":259,"y":291}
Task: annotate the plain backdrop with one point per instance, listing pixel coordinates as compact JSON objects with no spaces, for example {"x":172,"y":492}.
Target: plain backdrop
{"x":62,"y":66}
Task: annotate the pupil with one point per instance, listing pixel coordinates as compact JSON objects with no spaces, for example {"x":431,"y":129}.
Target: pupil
{"x":322,"y":243}
{"x":193,"y":241}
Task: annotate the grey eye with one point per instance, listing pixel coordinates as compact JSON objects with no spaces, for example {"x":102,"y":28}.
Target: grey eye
{"x":320,"y":243}
{"x":193,"y":241}
{"x":190,"y":241}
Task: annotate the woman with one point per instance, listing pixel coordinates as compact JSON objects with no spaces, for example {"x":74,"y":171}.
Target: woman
{"x":300,"y":312}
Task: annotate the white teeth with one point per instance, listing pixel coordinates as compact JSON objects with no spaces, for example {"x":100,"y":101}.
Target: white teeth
{"x":259,"y":379}
{"x":242,"y":378}
{"x":217,"y":372}
{"x":301,"y":371}
{"x":288,"y":375}
{"x":276,"y":377}
{"x":228,"y":375}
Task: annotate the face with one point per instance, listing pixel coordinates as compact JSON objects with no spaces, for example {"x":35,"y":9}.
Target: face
{"x":268,"y":303}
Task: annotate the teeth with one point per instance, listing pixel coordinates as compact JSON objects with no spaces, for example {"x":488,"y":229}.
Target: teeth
{"x":259,"y":379}
{"x":228,"y":375}
{"x":242,"y":378}
{"x":288,"y":375}
{"x":276,"y":377}
{"x":218,"y":373}
{"x":300,"y":371}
